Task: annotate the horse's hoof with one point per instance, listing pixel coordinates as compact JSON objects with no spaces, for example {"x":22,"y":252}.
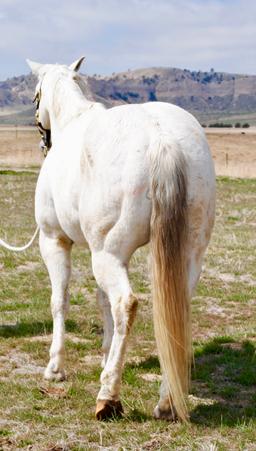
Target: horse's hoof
{"x":57,"y":376}
{"x":106,"y":409}
{"x":167,"y":415}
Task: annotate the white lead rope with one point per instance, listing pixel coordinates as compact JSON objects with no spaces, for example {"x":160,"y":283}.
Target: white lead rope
{"x":22,"y":248}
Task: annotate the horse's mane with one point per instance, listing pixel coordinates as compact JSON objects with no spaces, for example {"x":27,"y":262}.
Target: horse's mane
{"x":83,"y":85}
{"x":71,"y":97}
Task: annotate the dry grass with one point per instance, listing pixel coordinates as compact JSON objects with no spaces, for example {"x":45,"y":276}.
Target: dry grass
{"x":19,"y":147}
{"x":233,"y":150}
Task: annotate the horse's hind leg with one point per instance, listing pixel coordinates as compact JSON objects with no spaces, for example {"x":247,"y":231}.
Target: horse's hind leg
{"x":108,"y":324}
{"x":56,"y":255}
{"x":111,"y":276}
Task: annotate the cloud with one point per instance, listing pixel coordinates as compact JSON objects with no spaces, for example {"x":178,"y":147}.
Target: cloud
{"x":118,"y":34}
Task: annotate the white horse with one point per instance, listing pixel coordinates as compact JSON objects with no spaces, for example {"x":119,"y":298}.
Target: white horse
{"x":114,"y":180}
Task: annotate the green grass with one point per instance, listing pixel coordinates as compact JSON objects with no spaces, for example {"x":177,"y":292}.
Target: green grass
{"x":16,"y":173}
{"x":35,"y":414}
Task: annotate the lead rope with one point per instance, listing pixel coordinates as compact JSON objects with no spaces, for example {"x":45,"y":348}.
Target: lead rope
{"x":21,"y":248}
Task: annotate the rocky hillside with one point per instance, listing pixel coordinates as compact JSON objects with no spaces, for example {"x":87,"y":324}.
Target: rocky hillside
{"x":202,"y":93}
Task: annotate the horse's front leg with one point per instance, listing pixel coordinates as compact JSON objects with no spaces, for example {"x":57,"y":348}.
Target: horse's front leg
{"x":56,"y":254}
{"x":111,"y":276}
{"x":108,"y":324}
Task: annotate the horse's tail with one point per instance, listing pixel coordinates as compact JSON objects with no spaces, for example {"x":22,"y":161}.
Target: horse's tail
{"x":171,"y":306}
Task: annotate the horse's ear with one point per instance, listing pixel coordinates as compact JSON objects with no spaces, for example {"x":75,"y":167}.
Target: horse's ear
{"x":76,"y":64}
{"x":35,"y":67}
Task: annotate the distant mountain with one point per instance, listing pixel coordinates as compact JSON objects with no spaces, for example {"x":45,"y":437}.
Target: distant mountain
{"x":205,"y":94}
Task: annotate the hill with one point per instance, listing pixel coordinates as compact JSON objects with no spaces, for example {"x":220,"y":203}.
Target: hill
{"x":208,"y":95}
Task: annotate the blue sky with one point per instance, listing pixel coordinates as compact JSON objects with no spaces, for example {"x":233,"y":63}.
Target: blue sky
{"x":117,"y":35}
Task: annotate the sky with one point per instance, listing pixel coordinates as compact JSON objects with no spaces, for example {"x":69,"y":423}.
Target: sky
{"x":117,"y":35}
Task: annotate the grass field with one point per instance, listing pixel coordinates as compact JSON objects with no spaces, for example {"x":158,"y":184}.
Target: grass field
{"x":36,"y":415}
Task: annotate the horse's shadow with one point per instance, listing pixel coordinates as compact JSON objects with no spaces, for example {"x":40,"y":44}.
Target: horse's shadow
{"x":224,"y":383}
{"x":30,"y":329}
{"x":223,"y":389}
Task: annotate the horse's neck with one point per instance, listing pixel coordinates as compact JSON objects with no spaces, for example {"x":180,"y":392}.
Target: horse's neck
{"x":68,"y":102}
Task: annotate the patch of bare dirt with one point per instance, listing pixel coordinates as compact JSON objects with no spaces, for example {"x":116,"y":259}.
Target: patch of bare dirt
{"x":153,"y":444}
{"x":230,"y":278}
{"x":53,"y":392}
{"x":48,"y":338}
{"x":91,"y":360}
{"x":196,"y":401}
{"x":29,"y":266}
{"x":216,"y":310}
{"x":151,"y":377}
{"x":19,"y":363}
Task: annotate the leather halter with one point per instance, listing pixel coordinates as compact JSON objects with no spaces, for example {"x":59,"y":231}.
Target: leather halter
{"x":44,"y":132}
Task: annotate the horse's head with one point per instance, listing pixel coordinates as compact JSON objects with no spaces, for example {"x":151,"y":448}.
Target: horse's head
{"x":44,"y":73}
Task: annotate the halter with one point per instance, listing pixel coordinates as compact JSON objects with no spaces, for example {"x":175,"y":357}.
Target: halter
{"x":44,"y":132}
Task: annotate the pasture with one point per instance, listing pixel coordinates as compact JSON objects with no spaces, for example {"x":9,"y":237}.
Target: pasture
{"x":38,"y":415}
